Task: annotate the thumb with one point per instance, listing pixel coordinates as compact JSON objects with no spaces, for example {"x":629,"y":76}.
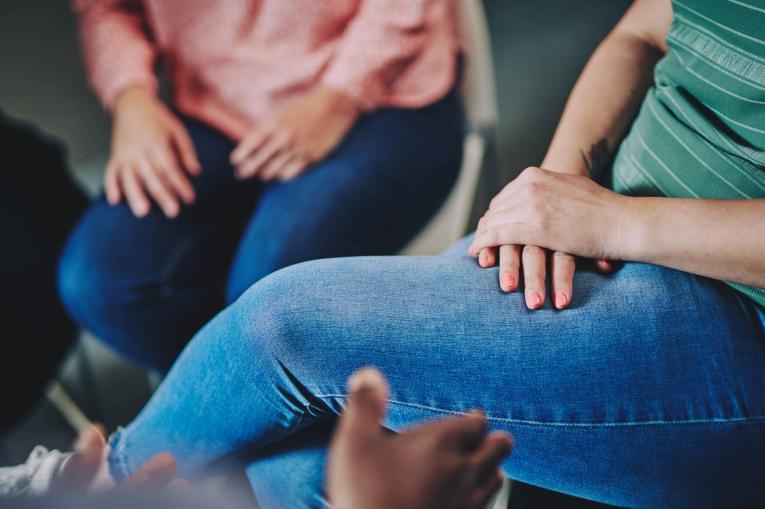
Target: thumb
{"x":366,"y":408}
{"x":607,"y":266}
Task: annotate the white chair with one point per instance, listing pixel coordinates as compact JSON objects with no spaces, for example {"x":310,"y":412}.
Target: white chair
{"x":479,"y":97}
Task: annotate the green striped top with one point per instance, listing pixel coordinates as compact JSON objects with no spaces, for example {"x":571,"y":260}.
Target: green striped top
{"x":700,"y":132}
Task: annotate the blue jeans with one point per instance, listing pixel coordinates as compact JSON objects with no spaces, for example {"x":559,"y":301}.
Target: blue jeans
{"x":145,"y":286}
{"x":648,"y":391}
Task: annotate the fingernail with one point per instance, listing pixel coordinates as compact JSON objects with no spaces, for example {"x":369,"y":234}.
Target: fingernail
{"x":476,"y":412}
{"x":560,"y":300}
{"x":367,"y":378}
{"x":508,"y":282}
{"x":534,"y":300}
{"x":482,"y":259}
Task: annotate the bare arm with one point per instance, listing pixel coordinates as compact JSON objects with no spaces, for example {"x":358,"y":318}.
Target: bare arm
{"x":609,"y":91}
{"x":721,"y":239}
{"x":597,"y":115}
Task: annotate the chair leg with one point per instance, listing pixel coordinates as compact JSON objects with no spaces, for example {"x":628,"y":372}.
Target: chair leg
{"x":69,"y":410}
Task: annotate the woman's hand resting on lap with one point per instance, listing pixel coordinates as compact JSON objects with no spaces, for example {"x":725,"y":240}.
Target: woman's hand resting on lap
{"x":152,"y":155}
{"x":544,"y":210}
{"x":301,"y":134}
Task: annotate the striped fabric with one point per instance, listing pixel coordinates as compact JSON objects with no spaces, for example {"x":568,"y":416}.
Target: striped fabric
{"x":701,"y":130}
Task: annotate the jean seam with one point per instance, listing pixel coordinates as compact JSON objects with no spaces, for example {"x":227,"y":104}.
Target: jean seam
{"x":119,"y":466}
{"x":525,"y":422}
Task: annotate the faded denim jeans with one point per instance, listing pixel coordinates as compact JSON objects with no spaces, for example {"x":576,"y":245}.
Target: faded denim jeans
{"x":648,"y":391}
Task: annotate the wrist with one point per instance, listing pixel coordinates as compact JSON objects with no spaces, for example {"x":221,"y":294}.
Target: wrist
{"x":338,"y":102}
{"x":630,"y":228}
{"x":132,"y":94}
{"x":571,"y":164}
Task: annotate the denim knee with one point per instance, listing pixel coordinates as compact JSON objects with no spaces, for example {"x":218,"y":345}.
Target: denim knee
{"x":79,"y":284}
{"x":290,"y":474}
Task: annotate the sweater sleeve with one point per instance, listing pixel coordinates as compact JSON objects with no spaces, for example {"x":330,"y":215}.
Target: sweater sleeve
{"x":117,"y":48}
{"x":380,"y":41}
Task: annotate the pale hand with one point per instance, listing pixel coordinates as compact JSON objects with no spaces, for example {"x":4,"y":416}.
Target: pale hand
{"x":542,"y":209}
{"x":152,"y":156}
{"x":300,"y":134}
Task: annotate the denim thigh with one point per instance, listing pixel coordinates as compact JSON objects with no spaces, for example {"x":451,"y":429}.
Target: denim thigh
{"x":370,"y":196}
{"x":646,"y":392}
{"x":145,"y":286}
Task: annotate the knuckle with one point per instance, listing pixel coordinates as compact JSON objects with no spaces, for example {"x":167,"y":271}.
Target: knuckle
{"x":562,"y":256}
{"x":532,"y":172}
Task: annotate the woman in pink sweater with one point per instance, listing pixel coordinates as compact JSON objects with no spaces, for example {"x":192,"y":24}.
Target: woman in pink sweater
{"x":294,"y":130}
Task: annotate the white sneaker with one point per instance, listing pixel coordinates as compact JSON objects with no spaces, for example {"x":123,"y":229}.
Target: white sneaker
{"x":35,"y":476}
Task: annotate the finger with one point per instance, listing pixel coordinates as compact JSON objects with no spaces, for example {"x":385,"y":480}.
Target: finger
{"x":481,"y":495}
{"x":252,"y":165}
{"x":487,"y":257}
{"x":506,"y":234}
{"x":606,"y":266}
{"x":486,"y":459}
{"x":158,"y":189}
{"x":464,"y":433}
{"x":112,"y":184}
{"x":275,"y":167}
{"x":185,"y":148}
{"x":174,"y":176}
{"x":95,"y":433}
{"x":157,"y":473}
{"x":134,"y":193}
{"x":562,"y":266}
{"x":293,"y":169}
{"x":534,"y":260}
{"x":509,"y":263}
{"x":81,"y":467}
{"x":248,"y":145}
{"x":365,"y":411}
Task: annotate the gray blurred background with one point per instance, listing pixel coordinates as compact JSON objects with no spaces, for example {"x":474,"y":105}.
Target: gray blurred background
{"x":539,"y":49}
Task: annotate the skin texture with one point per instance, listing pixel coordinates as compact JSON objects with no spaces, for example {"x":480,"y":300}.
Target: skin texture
{"x":80,"y":472}
{"x":152,"y":156}
{"x":301,"y":134}
{"x":447,"y":464}
{"x":559,"y":208}
{"x":559,"y":211}
{"x":596,"y":117}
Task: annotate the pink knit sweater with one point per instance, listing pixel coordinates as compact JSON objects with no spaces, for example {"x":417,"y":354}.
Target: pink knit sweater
{"x":231,"y":63}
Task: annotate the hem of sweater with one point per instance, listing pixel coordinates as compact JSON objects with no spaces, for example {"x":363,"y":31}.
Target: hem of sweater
{"x":235,"y":125}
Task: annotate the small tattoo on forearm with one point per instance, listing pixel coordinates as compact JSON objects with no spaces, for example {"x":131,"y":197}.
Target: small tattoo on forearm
{"x":598,"y":159}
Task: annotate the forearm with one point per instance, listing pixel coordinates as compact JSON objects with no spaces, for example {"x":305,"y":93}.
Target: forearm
{"x":116,"y":46}
{"x":600,"y":107}
{"x":720,"y":239}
